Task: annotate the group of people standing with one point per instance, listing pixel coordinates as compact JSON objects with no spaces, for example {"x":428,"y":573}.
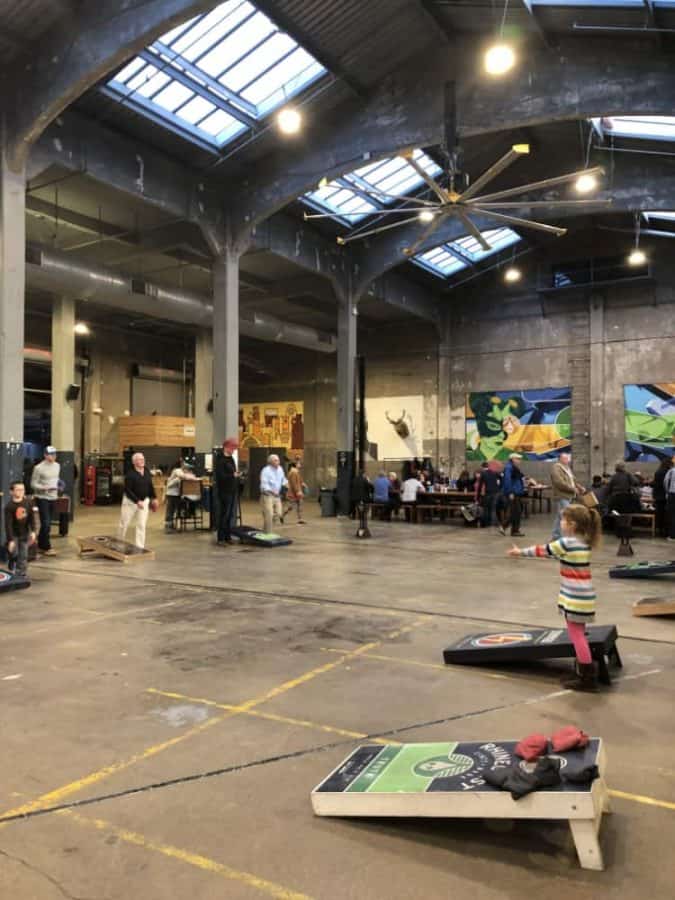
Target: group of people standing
{"x":499,"y":493}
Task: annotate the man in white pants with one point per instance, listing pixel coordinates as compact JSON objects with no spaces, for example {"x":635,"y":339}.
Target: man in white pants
{"x":139,"y":497}
{"x":272,"y":479}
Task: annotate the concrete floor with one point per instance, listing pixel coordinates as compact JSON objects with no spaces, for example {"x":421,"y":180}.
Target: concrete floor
{"x":118,"y":679}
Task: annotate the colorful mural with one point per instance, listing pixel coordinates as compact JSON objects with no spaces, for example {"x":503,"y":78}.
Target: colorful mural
{"x":272,"y":425}
{"x":649,"y":416}
{"x":536,"y":423}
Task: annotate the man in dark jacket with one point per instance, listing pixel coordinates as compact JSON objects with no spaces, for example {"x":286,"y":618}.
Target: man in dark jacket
{"x":487,"y":491}
{"x":19,"y":528}
{"x":659,"y":493}
{"x":513,"y":488}
{"x":227,"y":486}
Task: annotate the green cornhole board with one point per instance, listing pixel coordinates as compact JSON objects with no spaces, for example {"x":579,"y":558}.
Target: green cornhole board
{"x":444,"y":780}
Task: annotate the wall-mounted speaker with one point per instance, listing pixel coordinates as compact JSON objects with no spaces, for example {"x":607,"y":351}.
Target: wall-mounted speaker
{"x":209,"y":405}
{"x":72,"y":392}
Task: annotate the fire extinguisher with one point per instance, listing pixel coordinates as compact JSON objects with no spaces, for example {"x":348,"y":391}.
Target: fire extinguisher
{"x":90,"y":485}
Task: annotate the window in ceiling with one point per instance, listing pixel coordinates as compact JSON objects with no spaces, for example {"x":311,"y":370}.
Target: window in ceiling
{"x":450,"y":258}
{"x":370,"y":188}
{"x":656,"y":127}
{"x":603,"y":3}
{"x":217,"y":74}
{"x":666,"y":214}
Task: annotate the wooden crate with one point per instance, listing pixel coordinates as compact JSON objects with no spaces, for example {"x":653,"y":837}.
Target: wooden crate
{"x":156,"y":431}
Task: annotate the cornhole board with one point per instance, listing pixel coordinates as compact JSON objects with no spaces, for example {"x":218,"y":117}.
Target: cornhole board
{"x":643,"y":569}
{"x":11,"y":582}
{"x":248,"y":535}
{"x":530,"y":644}
{"x":444,"y":780}
{"x":654,"y":606}
{"x":112,"y":548}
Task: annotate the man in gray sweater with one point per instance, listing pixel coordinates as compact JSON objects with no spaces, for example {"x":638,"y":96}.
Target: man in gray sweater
{"x":44,"y":484}
{"x":565,"y":488}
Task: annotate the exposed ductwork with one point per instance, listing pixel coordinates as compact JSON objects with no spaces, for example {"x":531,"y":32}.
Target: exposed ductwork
{"x":55,"y":272}
{"x":42,"y":357}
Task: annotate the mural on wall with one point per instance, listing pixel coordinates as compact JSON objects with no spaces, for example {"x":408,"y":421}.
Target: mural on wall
{"x":279,"y":424}
{"x":536,"y":423}
{"x":395,"y":427}
{"x":649,"y":417}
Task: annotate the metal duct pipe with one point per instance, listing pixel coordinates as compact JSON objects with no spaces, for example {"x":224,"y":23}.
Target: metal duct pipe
{"x":154,"y":373}
{"x":56,"y":272}
{"x":44,"y":357}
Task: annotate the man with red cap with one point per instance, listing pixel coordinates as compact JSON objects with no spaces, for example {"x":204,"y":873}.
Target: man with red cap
{"x":227,"y":486}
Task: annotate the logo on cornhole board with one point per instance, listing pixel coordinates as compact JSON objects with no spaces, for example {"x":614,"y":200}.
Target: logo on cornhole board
{"x":444,"y":766}
{"x":503,"y":639}
{"x":4,"y":577}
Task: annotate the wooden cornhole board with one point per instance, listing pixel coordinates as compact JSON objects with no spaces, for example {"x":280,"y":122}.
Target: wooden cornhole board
{"x":444,"y":780}
{"x":654,"y":606}
{"x":11,"y":582}
{"x":112,"y":548}
{"x":643,"y":569}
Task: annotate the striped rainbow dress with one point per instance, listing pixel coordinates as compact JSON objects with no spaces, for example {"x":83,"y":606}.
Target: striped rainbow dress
{"x":576,"y":600}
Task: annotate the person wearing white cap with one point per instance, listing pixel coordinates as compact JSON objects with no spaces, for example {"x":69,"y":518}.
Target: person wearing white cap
{"x":44,"y":484}
{"x":513,"y":488}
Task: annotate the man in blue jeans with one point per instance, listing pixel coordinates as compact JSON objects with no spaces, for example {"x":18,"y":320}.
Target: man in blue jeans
{"x":44,"y":484}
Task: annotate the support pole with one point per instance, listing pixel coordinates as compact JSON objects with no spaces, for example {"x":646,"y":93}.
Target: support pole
{"x":597,"y":386}
{"x":12,"y":289}
{"x":63,"y":377}
{"x":203,"y":391}
{"x":346,"y":359}
{"x":225,"y":346}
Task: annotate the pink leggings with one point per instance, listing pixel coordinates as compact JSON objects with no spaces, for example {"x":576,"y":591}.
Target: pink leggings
{"x":577,"y":633}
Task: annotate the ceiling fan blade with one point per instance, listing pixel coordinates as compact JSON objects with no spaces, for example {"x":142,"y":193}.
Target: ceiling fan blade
{"x":428,"y":231}
{"x":374,"y":212}
{"x":522,"y":223}
{"x":433,"y":184}
{"x":542,"y":204}
{"x":538,"y":185}
{"x":473,"y":230}
{"x":514,"y":153}
{"x":355,"y":237}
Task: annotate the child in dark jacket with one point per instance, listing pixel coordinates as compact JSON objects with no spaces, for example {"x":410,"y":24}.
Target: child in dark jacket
{"x":19,"y":528}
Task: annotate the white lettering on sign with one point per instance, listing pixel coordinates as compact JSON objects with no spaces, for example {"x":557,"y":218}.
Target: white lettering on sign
{"x":189,"y":431}
{"x":551,"y":637}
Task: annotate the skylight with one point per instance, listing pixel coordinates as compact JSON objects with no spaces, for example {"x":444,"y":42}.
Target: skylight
{"x":450,"y":258}
{"x":655,"y":127}
{"x":217,"y":74}
{"x":370,"y":188}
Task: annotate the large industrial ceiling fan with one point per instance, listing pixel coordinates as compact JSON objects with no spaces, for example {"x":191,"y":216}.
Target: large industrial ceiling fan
{"x":449,"y":202}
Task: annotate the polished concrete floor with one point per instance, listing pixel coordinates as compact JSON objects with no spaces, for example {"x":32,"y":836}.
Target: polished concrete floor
{"x":163,"y":722}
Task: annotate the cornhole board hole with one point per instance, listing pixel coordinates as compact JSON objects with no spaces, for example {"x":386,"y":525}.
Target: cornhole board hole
{"x":11,"y":582}
{"x":248,"y":535}
{"x":643,"y":569}
{"x":444,"y":780}
{"x":654,"y":606}
{"x":112,"y":548}
{"x":531,"y":644}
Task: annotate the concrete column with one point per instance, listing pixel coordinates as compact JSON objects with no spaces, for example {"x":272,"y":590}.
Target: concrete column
{"x":63,"y":374}
{"x":225,"y":346}
{"x":203,"y":391}
{"x":346,"y":375}
{"x":12,"y":289}
{"x":443,"y":398}
{"x":597,"y":384}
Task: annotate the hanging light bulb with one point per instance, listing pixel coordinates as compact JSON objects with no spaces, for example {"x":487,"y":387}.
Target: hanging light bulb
{"x":426,"y":216}
{"x":81,"y":328}
{"x":637,"y":257}
{"x":289,"y":120}
{"x":585,"y":184}
{"x":512,"y":275}
{"x":499,"y":59}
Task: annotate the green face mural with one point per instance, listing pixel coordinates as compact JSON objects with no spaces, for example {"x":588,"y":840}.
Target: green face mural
{"x":495,"y":418}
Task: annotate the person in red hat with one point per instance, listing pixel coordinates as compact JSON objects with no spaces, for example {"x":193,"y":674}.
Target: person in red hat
{"x":227,"y":486}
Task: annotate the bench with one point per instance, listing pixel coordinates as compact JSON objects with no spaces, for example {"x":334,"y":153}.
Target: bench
{"x":643,"y":520}
{"x":444,"y":780}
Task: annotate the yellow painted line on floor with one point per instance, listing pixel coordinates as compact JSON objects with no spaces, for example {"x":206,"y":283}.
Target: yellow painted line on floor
{"x":640,"y":798}
{"x":426,"y":665}
{"x":52,"y":798}
{"x":270,"y":888}
{"x":272,"y":717}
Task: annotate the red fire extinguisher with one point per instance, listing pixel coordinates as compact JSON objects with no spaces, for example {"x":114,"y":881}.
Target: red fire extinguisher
{"x":90,"y":485}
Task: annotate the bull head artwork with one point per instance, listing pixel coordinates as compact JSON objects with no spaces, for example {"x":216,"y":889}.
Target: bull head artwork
{"x":400,"y":426}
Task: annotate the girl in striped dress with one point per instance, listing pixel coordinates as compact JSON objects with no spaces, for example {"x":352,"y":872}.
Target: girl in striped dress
{"x":581,"y":529}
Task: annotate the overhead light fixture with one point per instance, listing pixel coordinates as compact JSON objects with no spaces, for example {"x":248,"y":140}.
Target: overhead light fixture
{"x":426,"y":216}
{"x":81,"y":328}
{"x":512,"y":274}
{"x":637,"y":257}
{"x":585,"y":184}
{"x":289,"y":120}
{"x":323,"y":183}
{"x":499,"y":59}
